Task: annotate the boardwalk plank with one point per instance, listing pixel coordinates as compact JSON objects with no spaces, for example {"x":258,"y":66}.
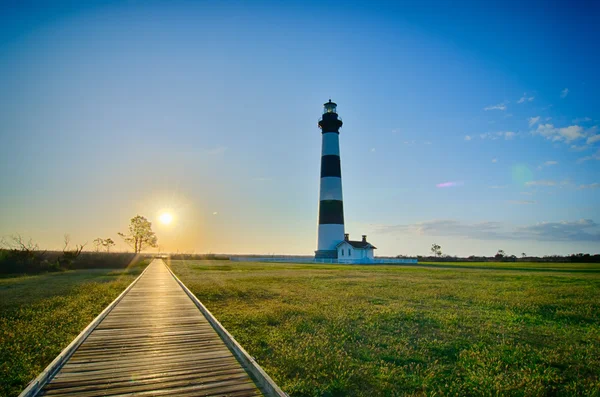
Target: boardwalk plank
{"x":154,"y":342}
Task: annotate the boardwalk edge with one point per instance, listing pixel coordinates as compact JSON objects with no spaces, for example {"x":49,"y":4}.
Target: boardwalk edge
{"x":268,"y":386}
{"x":48,"y":373}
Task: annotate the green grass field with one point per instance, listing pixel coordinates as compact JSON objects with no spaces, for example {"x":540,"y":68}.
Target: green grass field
{"x":329,"y":330}
{"x":40,"y":315}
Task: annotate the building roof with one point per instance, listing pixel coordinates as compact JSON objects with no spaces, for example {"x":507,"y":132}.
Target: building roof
{"x":357,"y":244}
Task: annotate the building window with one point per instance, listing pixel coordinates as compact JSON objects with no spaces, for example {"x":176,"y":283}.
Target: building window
{"x":349,"y":252}
{"x":342,"y":252}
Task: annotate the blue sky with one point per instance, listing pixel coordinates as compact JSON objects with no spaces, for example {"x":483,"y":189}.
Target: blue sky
{"x":473,"y":126}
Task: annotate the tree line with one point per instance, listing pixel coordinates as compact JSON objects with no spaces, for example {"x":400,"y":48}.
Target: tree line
{"x":502,"y":256}
{"x":20,"y":255}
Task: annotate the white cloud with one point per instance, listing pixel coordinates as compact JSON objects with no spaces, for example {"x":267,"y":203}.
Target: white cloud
{"x":468,"y":137}
{"x":494,"y":160}
{"x":593,"y":139}
{"x":498,"y":187}
{"x":590,"y":186}
{"x":533,"y":120}
{"x":525,"y":98}
{"x":427,"y":143}
{"x":215,"y":213}
{"x":566,"y":134}
{"x":582,"y":230}
{"x":500,"y":106}
{"x":564,"y":93}
{"x":372,"y":149}
{"x":509,"y":135}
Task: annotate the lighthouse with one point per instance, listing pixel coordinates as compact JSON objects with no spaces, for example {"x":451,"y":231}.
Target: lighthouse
{"x":331,"y":208}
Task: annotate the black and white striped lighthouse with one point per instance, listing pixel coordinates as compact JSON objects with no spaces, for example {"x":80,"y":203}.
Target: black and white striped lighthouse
{"x":331,"y":208}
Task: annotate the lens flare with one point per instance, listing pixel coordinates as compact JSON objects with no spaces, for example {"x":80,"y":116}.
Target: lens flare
{"x":448,"y":184}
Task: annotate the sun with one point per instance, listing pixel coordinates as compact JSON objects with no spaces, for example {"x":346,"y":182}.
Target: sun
{"x":165,"y":218}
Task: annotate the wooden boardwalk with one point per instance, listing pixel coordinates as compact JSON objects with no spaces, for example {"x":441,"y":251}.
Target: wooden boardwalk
{"x":154,"y":342}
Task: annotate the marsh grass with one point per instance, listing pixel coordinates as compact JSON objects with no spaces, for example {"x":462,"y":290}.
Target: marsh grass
{"x":40,"y":315}
{"x":328,"y":330}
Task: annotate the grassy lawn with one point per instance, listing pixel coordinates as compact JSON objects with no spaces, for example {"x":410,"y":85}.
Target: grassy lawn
{"x":40,"y":315}
{"x":330,"y":330}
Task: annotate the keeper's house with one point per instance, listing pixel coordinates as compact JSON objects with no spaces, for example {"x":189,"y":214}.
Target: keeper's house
{"x":349,"y":251}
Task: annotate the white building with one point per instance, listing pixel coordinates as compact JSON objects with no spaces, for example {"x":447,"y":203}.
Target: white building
{"x":349,"y":251}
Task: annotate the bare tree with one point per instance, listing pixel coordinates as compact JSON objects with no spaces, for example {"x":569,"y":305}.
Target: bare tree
{"x":69,"y":255}
{"x":140,"y":234}
{"x":99,"y":242}
{"x":523,"y":254}
{"x":25,"y":253}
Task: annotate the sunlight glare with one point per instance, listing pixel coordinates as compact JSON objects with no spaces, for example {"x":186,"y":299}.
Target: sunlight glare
{"x":165,"y":218}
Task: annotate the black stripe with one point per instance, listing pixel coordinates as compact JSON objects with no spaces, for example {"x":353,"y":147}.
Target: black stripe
{"x":330,"y":166}
{"x":331,"y":212}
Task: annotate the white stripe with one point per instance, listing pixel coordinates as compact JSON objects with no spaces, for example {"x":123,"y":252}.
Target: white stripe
{"x":331,"y":188}
{"x":329,"y":236}
{"x":331,"y":144}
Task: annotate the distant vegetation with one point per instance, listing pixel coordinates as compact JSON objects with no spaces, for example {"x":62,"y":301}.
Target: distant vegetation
{"x":20,"y":256}
{"x":335,"y":330}
{"x":502,"y":256}
{"x":23,"y":256}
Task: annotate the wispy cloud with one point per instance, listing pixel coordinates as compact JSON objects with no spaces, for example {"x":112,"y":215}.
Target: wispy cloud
{"x":468,"y":137}
{"x":564,"y":93}
{"x":497,"y":135}
{"x":547,"y":164}
{"x":590,"y":186}
{"x":500,"y":106}
{"x":533,"y":120}
{"x":522,"y":202}
{"x":216,"y":151}
{"x":595,"y":156}
{"x":498,"y":187}
{"x":576,"y":148}
{"x":494,"y":160}
{"x":593,"y":139}
{"x":525,"y":98}
{"x":581,"y":120}
{"x":582,"y":230}
{"x":541,"y":183}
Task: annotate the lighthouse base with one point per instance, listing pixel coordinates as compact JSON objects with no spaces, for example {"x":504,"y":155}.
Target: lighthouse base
{"x":326,"y":254}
